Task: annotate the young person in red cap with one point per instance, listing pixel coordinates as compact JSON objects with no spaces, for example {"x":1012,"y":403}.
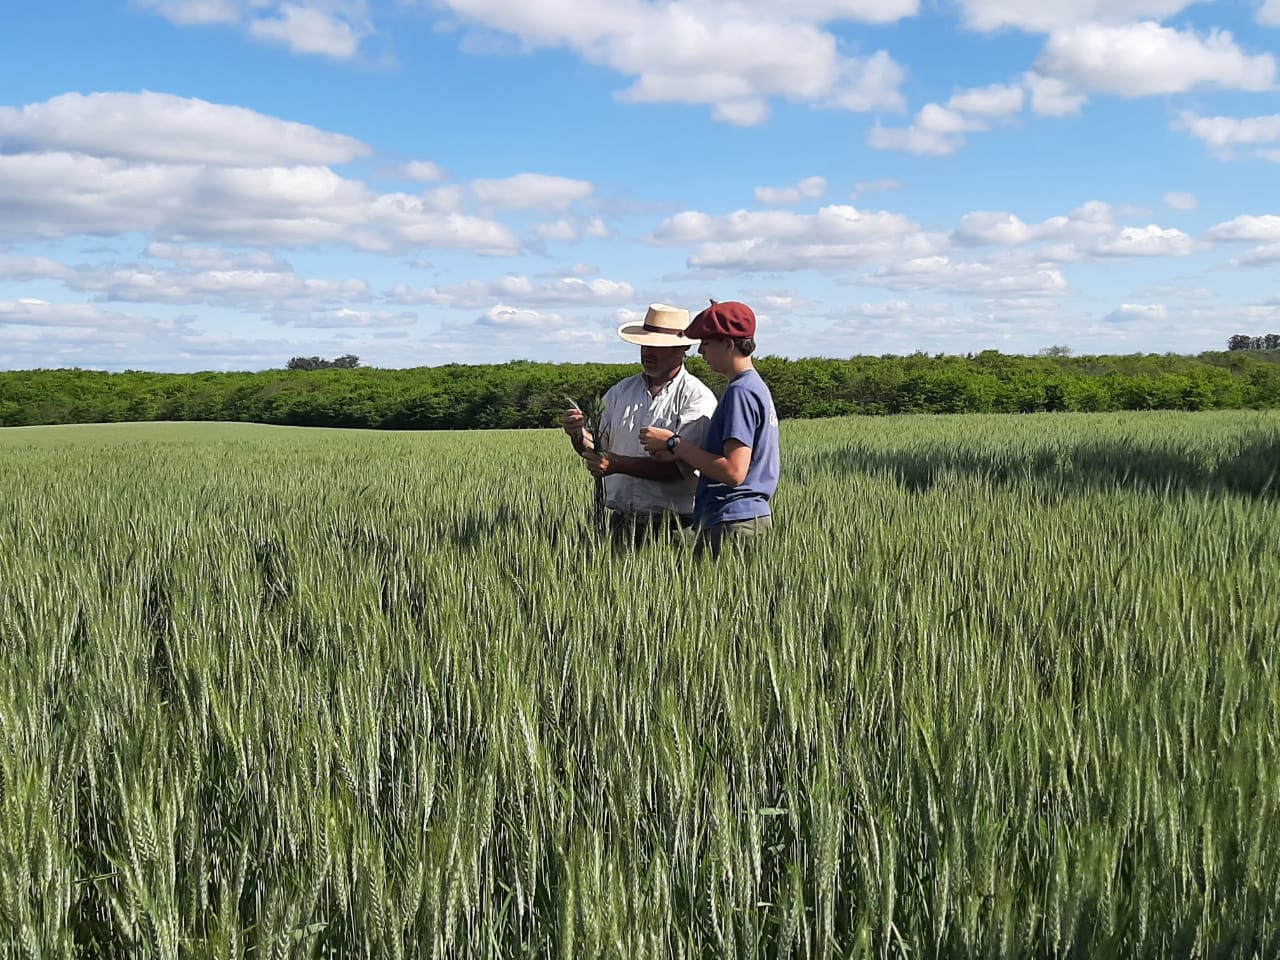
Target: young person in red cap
{"x":738,"y":459}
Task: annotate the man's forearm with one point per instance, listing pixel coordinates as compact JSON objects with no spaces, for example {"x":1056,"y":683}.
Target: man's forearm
{"x":645,"y":468}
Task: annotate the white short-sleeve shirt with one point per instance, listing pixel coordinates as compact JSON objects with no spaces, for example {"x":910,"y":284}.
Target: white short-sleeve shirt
{"x":684,"y":406}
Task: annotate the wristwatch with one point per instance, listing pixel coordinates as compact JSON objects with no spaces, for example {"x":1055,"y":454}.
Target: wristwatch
{"x":672,"y":441}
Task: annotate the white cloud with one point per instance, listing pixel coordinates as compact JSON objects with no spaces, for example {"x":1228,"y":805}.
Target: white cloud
{"x":573,"y":229}
{"x":834,"y":237}
{"x":307,"y":30}
{"x":252,"y":288}
{"x":1221,"y":134}
{"x":531,"y":191}
{"x":777,"y":303}
{"x":229,"y":283}
{"x":1248,"y":229}
{"x":912,"y":140}
{"x":215,"y":258}
{"x":1052,"y":97}
{"x":937,"y":128}
{"x":332,"y":28}
{"x":994,"y":277}
{"x":1127,"y":312}
{"x":1149,"y":241}
{"x":1259,"y":256}
{"x":162,"y":128}
{"x":674,"y":51}
{"x":1145,"y":59}
{"x":987,"y":226}
{"x":344,"y":318}
{"x":423,"y":170}
{"x":63,"y":194}
{"x":521,"y":291}
{"x":506,"y":316}
{"x":1178,"y":200}
{"x":32,"y":268}
{"x":195,"y":12}
{"x":901,"y":309}
{"x":1269,"y":13}
{"x":1043,"y":17}
{"x":810,"y":188}
{"x":996,"y":100}
{"x":1088,"y":231}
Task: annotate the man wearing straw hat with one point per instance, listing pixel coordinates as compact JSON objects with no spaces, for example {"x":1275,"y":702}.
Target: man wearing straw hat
{"x":647,"y":497}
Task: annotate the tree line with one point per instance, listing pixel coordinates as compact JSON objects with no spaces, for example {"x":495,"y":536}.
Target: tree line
{"x":523,"y":394}
{"x":1242,"y":341}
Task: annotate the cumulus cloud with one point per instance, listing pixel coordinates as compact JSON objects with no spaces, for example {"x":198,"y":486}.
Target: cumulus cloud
{"x":1128,"y":312}
{"x":1052,"y":97}
{"x":63,"y":194}
{"x":423,"y":170}
{"x":1262,"y":256}
{"x":937,"y":128}
{"x":215,"y":258}
{"x":1269,"y":13}
{"x":519,"y":291}
{"x":672,"y":51}
{"x":1248,"y":229}
{"x":531,"y":191}
{"x":1223,"y":134}
{"x":331,"y":28}
{"x":14,"y":267}
{"x":162,"y":128}
{"x":810,"y":188}
{"x":1145,"y":59}
{"x":345,"y":318}
{"x":1178,"y":200}
{"x":573,"y":229}
{"x":902,"y":309}
{"x":986,"y":278}
{"x":1149,"y":241}
{"x":912,"y":140}
{"x":229,"y":281}
{"x":989,"y":15}
{"x":1251,"y":229}
{"x":836,"y":236}
{"x":507,"y":316}
{"x":1090,"y":230}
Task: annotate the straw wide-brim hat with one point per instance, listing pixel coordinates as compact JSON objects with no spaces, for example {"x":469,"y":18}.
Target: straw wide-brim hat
{"x":663,"y":326}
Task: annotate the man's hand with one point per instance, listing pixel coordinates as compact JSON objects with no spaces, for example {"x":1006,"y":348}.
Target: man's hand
{"x":654,"y":440}
{"x":598,"y":464}
{"x":572,"y":422}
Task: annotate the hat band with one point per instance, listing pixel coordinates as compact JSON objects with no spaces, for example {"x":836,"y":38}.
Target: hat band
{"x":653,"y":328}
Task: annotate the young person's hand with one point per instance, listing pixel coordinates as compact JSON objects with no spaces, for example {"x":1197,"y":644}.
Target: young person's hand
{"x":654,"y":440}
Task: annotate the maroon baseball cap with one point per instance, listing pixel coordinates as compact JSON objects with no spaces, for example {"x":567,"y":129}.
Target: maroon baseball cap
{"x":730,"y":320}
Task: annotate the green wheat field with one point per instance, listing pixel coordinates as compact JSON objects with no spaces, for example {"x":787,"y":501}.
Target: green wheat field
{"x":994,"y":687}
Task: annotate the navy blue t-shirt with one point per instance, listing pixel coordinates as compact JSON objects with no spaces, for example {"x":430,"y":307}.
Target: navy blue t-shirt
{"x":745,"y":414}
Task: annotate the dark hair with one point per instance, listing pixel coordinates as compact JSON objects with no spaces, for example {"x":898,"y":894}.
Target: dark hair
{"x":744,"y":345}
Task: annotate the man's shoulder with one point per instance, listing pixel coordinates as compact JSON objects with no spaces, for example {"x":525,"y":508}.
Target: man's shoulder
{"x":694,"y":389}
{"x":627,"y":385}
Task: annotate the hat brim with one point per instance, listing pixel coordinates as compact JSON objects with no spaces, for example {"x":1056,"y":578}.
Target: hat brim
{"x":636,"y":333}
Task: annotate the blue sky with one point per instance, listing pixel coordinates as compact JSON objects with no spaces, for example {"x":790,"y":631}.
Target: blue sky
{"x":225,"y":184}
